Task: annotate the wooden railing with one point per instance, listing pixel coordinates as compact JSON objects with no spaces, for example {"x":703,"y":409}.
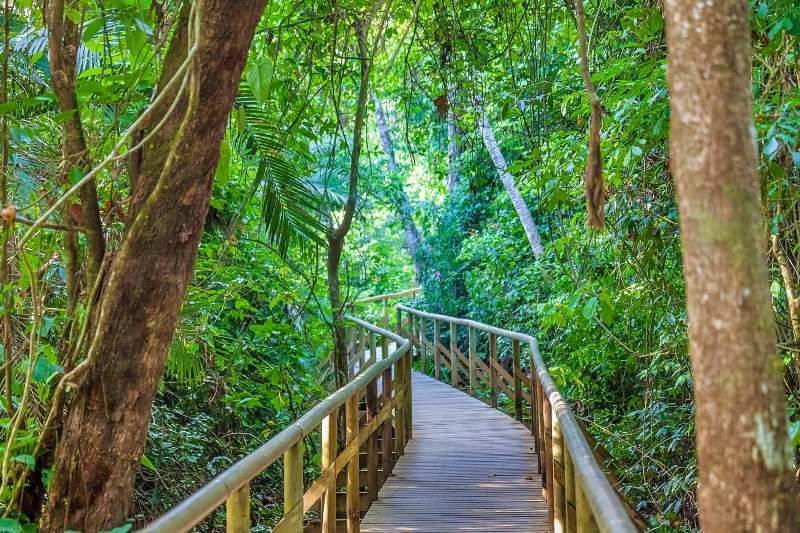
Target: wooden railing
{"x":579,"y":495}
{"x":384,"y":301}
{"x":377,"y":426}
{"x":357,"y":342}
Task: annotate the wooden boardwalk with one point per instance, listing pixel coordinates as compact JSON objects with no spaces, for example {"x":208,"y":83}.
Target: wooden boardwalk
{"x":468,"y":467}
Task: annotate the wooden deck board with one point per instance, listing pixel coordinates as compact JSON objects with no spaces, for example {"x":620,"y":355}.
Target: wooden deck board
{"x":468,"y":468}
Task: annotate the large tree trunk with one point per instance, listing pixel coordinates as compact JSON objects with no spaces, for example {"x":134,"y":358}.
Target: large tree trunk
{"x":104,"y":435}
{"x":744,"y":456}
{"x":507,"y":179}
{"x":411,"y":232}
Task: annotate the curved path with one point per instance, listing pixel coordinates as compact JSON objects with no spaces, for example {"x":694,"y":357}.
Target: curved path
{"x":468,"y":467}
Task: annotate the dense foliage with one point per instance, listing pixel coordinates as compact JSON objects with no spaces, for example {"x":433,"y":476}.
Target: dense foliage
{"x":256,"y":324}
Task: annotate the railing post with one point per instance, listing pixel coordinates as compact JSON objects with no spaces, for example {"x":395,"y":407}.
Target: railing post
{"x":585,"y":521}
{"x":400,"y":415}
{"x":373,"y":349}
{"x":559,"y":496}
{"x":400,"y":323}
{"x":293,"y":488}
{"x":414,"y":326}
{"x":237,"y":511}
{"x":423,"y":340}
{"x":569,"y":489}
{"x":453,"y":356}
{"x":515,"y":355}
{"x":536,"y":397}
{"x":493,"y":369}
{"x":362,"y":348}
{"x":547,"y":413}
{"x":329,"y":430}
{"x":437,"y":362}
{"x":408,"y":397}
{"x":372,"y":443}
{"x":473,"y":379}
{"x":386,"y":313}
{"x":386,"y":446}
{"x":352,"y":347}
{"x":534,"y":408}
{"x":353,"y":482}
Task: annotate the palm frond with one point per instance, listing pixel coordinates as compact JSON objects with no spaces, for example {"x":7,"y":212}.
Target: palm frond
{"x":289,"y":205}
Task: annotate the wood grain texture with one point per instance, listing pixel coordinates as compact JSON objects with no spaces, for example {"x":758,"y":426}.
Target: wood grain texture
{"x":468,"y":468}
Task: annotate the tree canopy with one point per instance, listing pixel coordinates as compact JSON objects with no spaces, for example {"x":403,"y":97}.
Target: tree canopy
{"x":195,"y":192}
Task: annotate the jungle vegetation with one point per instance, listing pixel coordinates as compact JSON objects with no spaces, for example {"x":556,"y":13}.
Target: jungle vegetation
{"x":194,"y":192}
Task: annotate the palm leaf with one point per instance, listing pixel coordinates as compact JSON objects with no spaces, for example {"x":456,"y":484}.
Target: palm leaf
{"x":289,"y":204}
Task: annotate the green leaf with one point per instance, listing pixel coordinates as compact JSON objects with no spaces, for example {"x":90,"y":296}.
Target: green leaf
{"x":46,"y":325}
{"x":224,"y":165}
{"x":259,"y":77}
{"x":10,"y":525}
{"x":771,"y":148}
{"x":590,"y":308}
{"x":148,"y":464}
{"x":763,"y":9}
{"x":44,"y":369}
{"x":27,"y":460}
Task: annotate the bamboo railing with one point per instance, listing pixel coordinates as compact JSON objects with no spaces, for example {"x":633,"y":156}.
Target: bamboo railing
{"x":377,"y":425}
{"x":579,"y":495}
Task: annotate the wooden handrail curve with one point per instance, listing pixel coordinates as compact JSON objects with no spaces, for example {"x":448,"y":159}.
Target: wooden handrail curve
{"x":377,"y":420}
{"x":580,"y":497}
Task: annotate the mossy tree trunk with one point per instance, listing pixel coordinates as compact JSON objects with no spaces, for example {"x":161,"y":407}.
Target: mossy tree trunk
{"x":744,"y":457}
{"x":103,"y":438}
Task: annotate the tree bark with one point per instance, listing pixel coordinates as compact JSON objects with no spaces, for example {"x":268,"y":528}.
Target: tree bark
{"x":507,"y":179}
{"x":593,"y":184}
{"x":63,"y":36}
{"x":104,"y":434}
{"x":411,"y":232}
{"x":336,"y":235}
{"x":744,"y":456}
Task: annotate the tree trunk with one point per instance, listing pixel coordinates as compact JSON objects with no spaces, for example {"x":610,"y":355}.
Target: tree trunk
{"x":336,"y":235}
{"x":104,"y":434}
{"x":453,"y":141}
{"x":507,"y":179}
{"x":411,"y":232}
{"x":63,"y":36}
{"x":744,"y":456}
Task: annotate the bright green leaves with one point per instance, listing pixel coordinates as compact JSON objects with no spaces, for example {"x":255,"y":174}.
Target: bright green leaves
{"x":223,"y":173}
{"x":259,"y":78}
{"x":590,"y":308}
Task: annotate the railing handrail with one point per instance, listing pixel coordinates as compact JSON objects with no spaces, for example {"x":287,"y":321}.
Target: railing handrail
{"x":605,"y":503}
{"x":389,"y":296}
{"x":202,"y":503}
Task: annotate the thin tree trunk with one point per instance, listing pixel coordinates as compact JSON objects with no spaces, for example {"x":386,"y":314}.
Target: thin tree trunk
{"x":411,"y":232}
{"x":454,"y":141}
{"x":336,"y":235}
{"x":104,"y":434}
{"x":593,"y":184}
{"x":507,"y":179}
{"x":744,"y":456}
{"x":789,"y":284}
{"x":63,"y":41}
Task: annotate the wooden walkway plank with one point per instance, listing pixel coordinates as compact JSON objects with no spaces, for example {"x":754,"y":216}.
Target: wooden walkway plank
{"x":468,"y":468}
